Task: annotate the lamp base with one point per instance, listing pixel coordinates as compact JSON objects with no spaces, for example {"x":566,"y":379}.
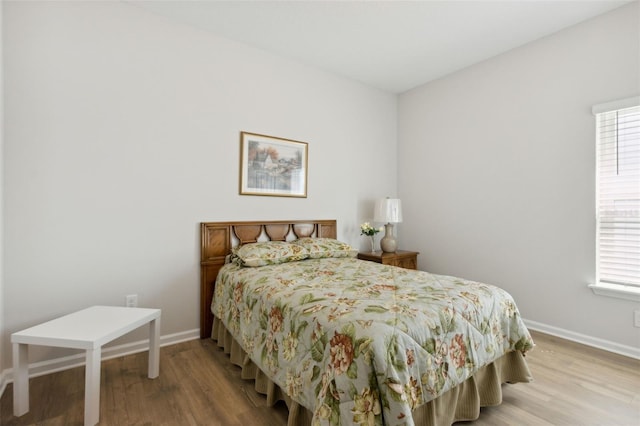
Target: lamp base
{"x":388,"y":243}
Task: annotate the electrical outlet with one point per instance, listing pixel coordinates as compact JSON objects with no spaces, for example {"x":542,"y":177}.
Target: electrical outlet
{"x":636,"y":318}
{"x":131,"y":301}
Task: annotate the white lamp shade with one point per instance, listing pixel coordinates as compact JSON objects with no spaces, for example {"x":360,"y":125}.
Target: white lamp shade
{"x":388,"y":210}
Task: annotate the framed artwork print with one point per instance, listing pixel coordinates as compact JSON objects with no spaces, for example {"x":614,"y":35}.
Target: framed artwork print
{"x":272,"y":166}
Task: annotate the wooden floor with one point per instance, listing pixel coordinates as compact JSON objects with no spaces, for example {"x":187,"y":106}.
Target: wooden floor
{"x":573,"y":385}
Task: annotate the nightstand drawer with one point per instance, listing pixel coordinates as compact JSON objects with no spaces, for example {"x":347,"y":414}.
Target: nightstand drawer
{"x":401,"y":258}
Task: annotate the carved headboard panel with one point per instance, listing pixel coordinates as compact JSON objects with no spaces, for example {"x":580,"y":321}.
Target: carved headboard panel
{"x":218,"y":238}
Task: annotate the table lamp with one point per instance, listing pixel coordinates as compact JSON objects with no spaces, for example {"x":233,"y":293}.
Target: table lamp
{"x":388,"y":210}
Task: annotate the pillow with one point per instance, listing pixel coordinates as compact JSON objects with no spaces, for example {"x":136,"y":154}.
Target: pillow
{"x":269,"y":253}
{"x":325,"y":247}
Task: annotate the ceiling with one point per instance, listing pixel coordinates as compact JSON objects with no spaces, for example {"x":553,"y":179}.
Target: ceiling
{"x":392,"y":45}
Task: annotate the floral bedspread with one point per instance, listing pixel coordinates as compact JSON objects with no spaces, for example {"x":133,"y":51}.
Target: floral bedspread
{"x":358,"y":342}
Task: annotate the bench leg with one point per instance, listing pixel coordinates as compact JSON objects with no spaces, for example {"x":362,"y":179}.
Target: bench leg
{"x":20,"y":379}
{"x":92,"y":387}
{"x":154,"y":348}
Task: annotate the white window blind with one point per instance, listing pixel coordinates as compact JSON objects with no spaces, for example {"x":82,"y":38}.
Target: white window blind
{"x":618,"y":193}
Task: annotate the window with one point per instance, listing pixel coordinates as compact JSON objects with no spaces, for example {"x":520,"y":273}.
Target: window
{"x":618,"y":198}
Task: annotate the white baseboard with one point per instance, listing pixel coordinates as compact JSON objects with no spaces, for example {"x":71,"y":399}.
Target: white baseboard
{"x":64,"y":363}
{"x":606,"y":345}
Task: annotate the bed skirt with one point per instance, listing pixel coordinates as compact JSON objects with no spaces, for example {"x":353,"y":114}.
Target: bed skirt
{"x":461,"y":403}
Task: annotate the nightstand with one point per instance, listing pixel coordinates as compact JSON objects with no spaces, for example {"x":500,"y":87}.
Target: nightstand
{"x":401,"y":258}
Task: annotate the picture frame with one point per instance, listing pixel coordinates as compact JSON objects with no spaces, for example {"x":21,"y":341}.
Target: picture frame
{"x":272,"y":166}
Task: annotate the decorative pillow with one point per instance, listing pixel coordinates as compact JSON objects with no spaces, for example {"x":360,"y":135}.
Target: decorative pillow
{"x":269,"y":253}
{"x":325,"y":247}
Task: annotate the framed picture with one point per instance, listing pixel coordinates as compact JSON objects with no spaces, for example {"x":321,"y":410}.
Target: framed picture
{"x":272,"y":166}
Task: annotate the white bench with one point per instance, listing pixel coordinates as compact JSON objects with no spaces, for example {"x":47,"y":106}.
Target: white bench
{"x":88,"y":329}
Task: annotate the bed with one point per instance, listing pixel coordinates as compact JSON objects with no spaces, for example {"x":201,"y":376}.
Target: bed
{"x":347,"y":341}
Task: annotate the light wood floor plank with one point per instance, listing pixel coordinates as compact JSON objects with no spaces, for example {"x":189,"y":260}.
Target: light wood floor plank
{"x":573,"y":385}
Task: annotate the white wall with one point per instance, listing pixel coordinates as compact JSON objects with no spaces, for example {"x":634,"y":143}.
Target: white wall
{"x":2,"y":328}
{"x":122,"y":134}
{"x":496,"y":168}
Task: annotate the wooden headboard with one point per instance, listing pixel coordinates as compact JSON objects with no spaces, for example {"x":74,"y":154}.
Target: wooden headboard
{"x":218,"y":238}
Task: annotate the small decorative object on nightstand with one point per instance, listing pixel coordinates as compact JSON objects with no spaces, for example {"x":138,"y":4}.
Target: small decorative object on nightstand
{"x":370,"y":231}
{"x":401,"y":258}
